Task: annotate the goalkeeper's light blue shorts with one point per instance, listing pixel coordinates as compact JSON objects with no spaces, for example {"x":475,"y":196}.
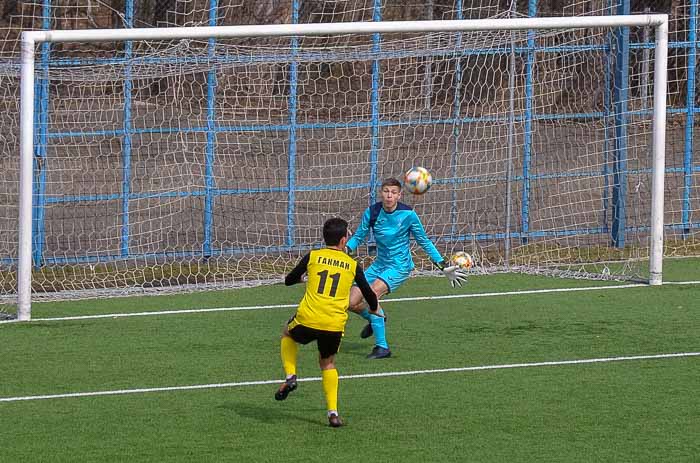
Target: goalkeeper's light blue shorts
{"x":392,"y":277}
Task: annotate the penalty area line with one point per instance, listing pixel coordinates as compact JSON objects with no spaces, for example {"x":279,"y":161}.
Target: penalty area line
{"x":347,"y":377}
{"x":384,"y":301}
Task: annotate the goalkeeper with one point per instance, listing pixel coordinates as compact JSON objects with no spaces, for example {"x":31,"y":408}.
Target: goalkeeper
{"x":392,"y":223}
{"x":322,"y":312}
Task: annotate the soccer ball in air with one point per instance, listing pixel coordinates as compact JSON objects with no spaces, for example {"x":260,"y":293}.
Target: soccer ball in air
{"x":417,"y":180}
{"x":462,"y":260}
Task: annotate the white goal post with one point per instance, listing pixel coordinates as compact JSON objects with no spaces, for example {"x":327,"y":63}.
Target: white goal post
{"x":30,"y":40}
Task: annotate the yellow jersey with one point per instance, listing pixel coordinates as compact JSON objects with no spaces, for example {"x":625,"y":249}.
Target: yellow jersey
{"x":331,"y":273}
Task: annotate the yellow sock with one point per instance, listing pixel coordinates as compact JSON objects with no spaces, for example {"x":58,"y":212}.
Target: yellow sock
{"x":329,"y":379}
{"x":288,"y":352}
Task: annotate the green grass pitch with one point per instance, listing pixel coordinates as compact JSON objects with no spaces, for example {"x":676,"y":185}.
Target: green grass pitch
{"x":636,"y":410}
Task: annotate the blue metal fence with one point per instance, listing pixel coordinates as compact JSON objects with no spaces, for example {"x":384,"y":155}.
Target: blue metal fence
{"x":614,"y":104}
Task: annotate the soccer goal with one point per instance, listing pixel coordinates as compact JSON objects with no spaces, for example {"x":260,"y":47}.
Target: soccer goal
{"x":208,"y":157}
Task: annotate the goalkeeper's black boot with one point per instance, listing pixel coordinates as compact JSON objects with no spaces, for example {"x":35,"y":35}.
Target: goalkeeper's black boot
{"x":379,"y":353}
{"x":367,"y":331}
{"x":288,"y":386}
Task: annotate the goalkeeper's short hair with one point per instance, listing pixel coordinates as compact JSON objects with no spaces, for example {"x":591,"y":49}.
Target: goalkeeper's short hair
{"x":391,"y":181}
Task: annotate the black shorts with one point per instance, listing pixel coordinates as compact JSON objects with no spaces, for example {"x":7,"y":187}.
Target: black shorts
{"x":328,"y":342}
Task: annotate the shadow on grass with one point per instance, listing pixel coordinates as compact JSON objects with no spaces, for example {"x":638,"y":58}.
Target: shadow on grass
{"x":275,"y":413}
{"x":355,"y":348}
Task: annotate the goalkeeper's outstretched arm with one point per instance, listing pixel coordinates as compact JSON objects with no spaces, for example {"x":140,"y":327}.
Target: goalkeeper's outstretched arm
{"x":424,"y":241}
{"x":454,"y":274}
{"x":360,"y":234}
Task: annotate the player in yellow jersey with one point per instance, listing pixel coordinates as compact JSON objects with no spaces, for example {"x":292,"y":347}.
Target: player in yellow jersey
{"x":322,"y":312}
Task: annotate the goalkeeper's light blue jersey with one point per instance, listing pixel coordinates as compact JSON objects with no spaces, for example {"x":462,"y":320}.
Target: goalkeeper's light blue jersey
{"x":392,"y":233}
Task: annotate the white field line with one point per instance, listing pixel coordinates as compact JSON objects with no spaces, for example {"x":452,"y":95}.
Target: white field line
{"x":384,"y":301}
{"x":344,"y":377}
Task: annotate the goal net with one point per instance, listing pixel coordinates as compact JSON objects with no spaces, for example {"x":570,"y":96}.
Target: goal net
{"x":165,"y":162}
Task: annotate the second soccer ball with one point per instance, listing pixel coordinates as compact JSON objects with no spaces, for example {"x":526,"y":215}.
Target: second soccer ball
{"x":417,"y":180}
{"x":463,"y":260}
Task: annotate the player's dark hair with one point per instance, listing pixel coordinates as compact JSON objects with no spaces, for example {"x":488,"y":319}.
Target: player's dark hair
{"x":391,"y":181}
{"x":334,"y":230}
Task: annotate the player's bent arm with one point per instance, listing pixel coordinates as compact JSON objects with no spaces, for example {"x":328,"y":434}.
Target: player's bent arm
{"x":297,"y":272}
{"x":366,"y":289}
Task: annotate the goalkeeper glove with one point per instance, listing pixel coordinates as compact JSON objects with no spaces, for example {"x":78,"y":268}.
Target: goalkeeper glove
{"x":454,"y":274}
